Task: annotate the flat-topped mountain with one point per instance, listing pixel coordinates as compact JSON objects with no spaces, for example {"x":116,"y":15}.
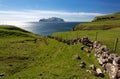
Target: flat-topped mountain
{"x":52,"y":19}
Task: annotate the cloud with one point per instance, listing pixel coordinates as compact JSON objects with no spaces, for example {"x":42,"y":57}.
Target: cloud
{"x":35,"y":15}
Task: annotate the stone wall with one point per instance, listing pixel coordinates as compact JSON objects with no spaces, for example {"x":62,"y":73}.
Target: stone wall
{"x":109,"y":60}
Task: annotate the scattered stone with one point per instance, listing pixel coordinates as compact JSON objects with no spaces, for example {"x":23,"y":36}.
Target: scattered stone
{"x":88,"y":71}
{"x":82,"y":47}
{"x":85,"y":49}
{"x":99,"y":72}
{"x":2,"y":74}
{"x":83,"y":64}
{"x":106,"y":58}
{"x":77,"y":57}
{"x":94,"y":73}
{"x":10,"y":65}
{"x":40,"y":74}
{"x":93,"y":67}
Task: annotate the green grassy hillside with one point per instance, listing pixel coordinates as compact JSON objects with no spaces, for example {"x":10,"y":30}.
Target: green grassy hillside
{"x":101,"y":23}
{"x":106,"y":37}
{"x":115,"y":16}
{"x":24,"y":55}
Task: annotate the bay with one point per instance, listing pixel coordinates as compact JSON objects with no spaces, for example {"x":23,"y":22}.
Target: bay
{"x":47,"y":28}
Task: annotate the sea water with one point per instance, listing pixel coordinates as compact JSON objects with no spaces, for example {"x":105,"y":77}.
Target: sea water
{"x":47,"y":28}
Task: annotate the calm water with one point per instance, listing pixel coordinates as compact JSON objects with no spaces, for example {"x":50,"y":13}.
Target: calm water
{"x":48,"y":28}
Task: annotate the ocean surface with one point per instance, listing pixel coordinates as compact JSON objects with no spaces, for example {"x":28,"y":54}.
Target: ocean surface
{"x":44,"y":28}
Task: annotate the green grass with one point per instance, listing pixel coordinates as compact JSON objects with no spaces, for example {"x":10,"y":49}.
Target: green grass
{"x":101,"y":23}
{"x":23,"y":58}
{"x":115,"y":16}
{"x":98,"y":25}
{"x":106,"y":37}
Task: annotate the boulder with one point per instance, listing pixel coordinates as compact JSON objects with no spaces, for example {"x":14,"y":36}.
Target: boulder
{"x":104,"y":48}
{"x":112,"y":56}
{"x":99,"y":72}
{"x":118,"y":74}
{"x":111,"y":70}
{"x":117,"y":60}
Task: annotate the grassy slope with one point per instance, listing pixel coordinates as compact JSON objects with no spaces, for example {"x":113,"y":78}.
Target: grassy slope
{"x":22,"y":58}
{"x":101,"y":23}
{"x":106,"y":37}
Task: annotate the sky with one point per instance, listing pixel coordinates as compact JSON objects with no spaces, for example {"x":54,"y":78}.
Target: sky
{"x":69,"y":10}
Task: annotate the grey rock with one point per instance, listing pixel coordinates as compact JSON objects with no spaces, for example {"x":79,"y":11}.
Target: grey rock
{"x":94,"y":73}
{"x":92,"y":66}
{"x":99,"y":72}
{"x":118,"y":74}
{"x":111,"y":70}
{"x":104,"y":48}
{"x":117,"y":60}
{"x":83,"y":64}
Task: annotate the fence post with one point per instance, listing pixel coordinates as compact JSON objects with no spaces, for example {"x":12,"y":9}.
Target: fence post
{"x":96,"y":36}
{"x":115,"y":45}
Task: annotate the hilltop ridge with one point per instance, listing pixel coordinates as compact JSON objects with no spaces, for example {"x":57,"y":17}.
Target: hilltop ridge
{"x":101,"y":23}
{"x":115,"y":16}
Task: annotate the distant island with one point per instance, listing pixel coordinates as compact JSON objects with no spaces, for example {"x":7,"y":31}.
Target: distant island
{"x":52,"y":19}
